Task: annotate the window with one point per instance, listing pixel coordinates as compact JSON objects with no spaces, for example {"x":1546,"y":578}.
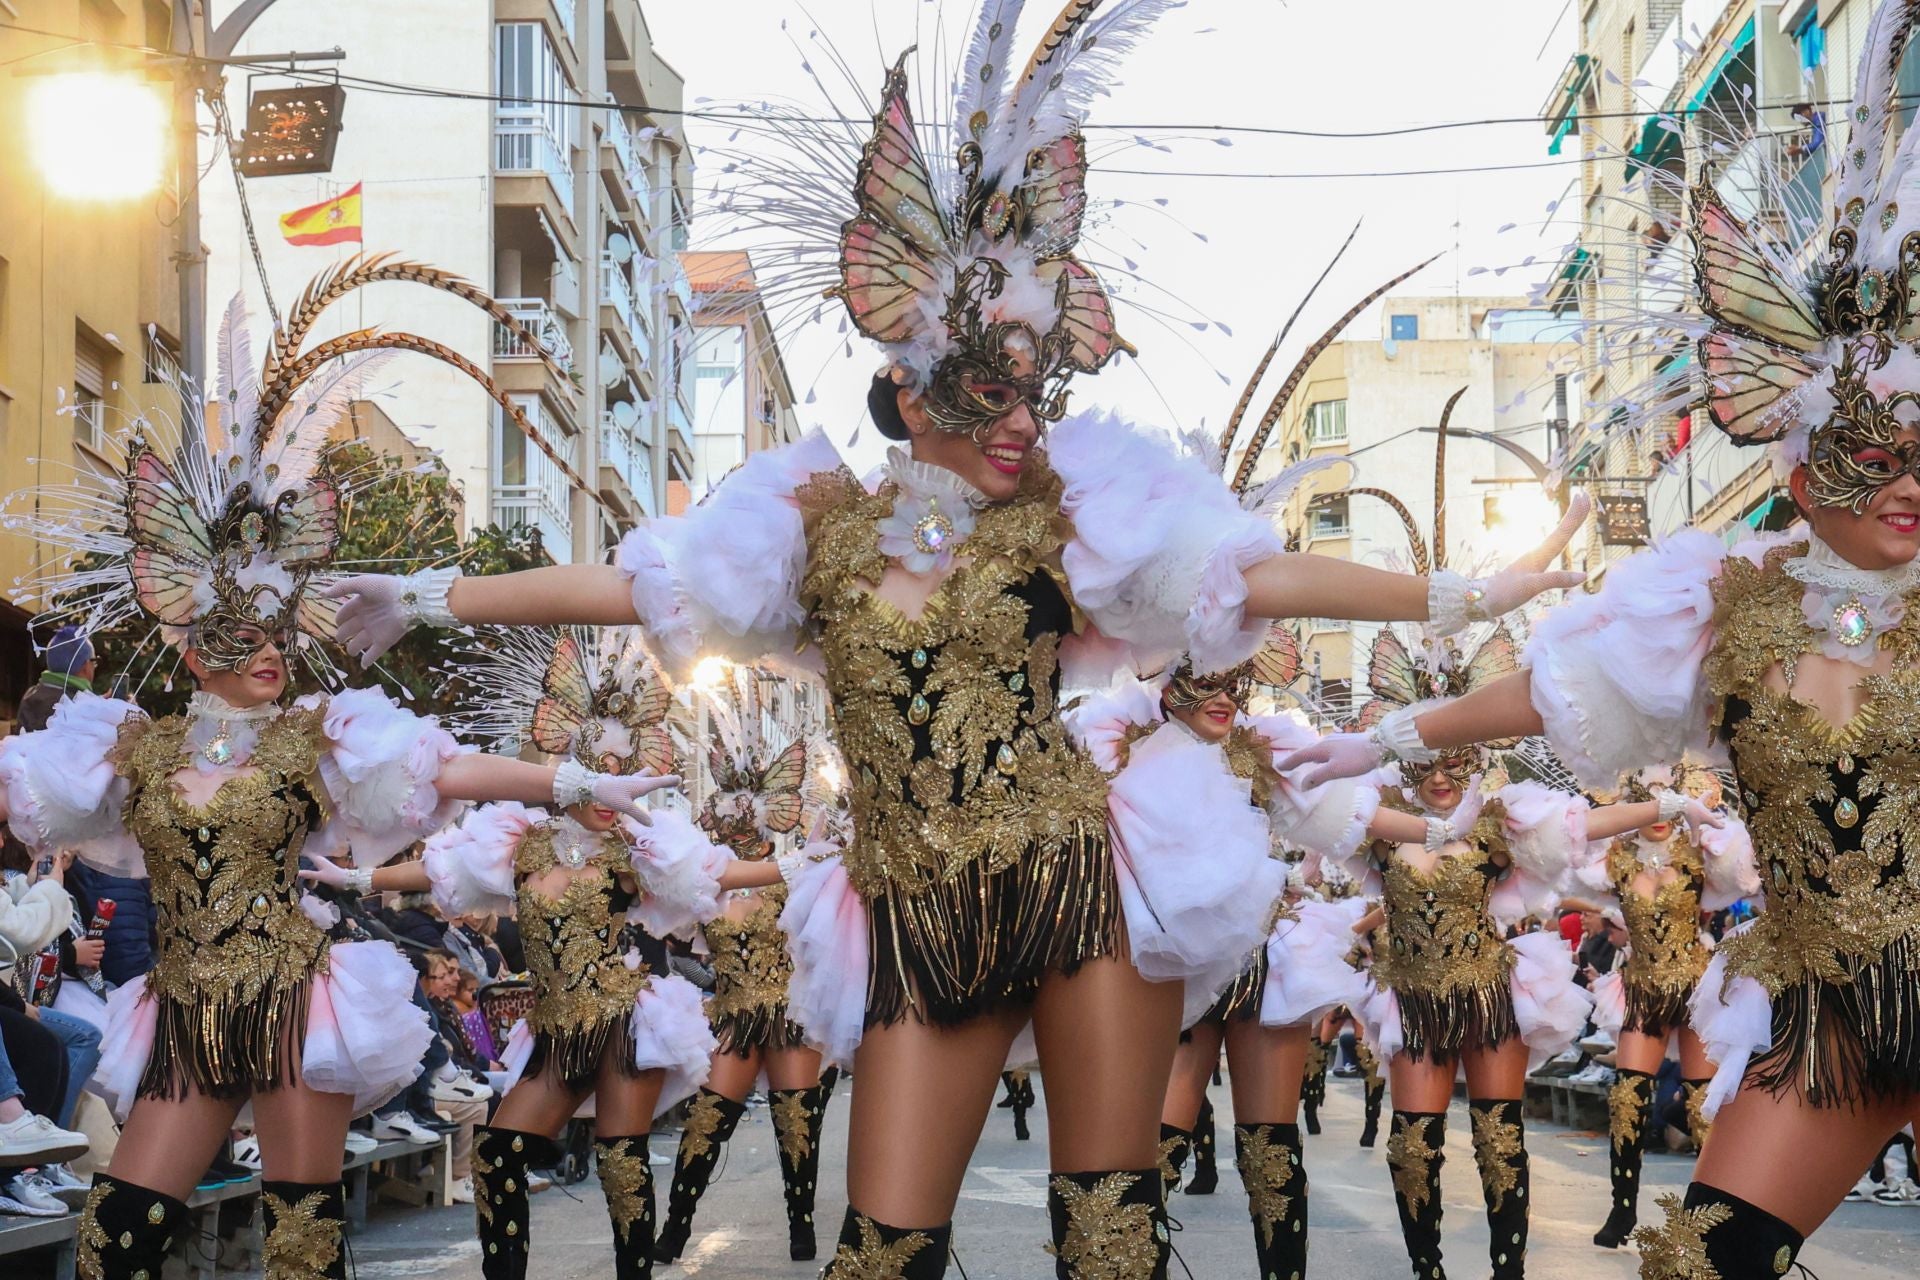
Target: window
{"x":1327,"y":422}
{"x":531,"y":78}
{"x":1404,"y":328}
{"x":1330,"y":520}
{"x":93,"y":362}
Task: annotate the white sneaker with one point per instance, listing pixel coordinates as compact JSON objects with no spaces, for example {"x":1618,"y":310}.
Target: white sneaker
{"x":1592,"y":1073}
{"x":1565,"y":1056}
{"x":1599,"y":1042}
{"x":462,"y":1088}
{"x":1863,"y":1189}
{"x":70,"y":1190}
{"x":358,"y":1143}
{"x":247,"y":1152}
{"x":404,"y":1128}
{"x":1903,"y":1194}
{"x":27,"y":1193}
{"x":34,"y":1139}
{"x":461,"y":1192}
{"x":537,"y":1182}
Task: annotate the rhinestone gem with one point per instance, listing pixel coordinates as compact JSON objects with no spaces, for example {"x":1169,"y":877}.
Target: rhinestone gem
{"x":205,"y":834}
{"x":1844,"y":763}
{"x":1856,"y":207}
{"x":513,"y":1228}
{"x":219,"y":750}
{"x":260,"y":904}
{"x":1889,"y":215}
{"x":1017,"y":681}
{"x":1753,"y":801}
{"x":918,"y":710}
{"x":1871,"y":292}
{"x":1005,"y":761}
{"x":1847,"y":814}
{"x":919,"y":659}
{"x":156,"y":1214}
{"x":1851,"y":626}
{"x":126,"y":1239}
{"x":932,"y":532}
{"x":203,"y":868}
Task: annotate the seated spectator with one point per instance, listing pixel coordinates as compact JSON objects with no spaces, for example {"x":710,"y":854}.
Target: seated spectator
{"x":131,"y":939}
{"x":468,"y":938}
{"x":417,"y":924}
{"x":33,"y":1086}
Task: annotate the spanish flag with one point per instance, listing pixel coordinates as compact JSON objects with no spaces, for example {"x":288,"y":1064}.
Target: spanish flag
{"x":334,"y":221}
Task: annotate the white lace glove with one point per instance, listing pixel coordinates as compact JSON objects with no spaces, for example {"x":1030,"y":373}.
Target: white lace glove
{"x":575,"y":784}
{"x":1466,"y":815}
{"x":327,"y":872}
{"x":818,"y":848}
{"x":379,"y":608}
{"x":1698,"y":816}
{"x":1455,"y":602}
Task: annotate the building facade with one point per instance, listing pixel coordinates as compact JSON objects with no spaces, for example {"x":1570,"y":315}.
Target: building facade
{"x":743,"y":401}
{"x":554,"y":174}
{"x":80,"y":350}
{"x":1377,"y":402}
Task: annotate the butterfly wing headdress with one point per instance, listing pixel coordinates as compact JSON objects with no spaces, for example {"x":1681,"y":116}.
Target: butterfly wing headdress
{"x":759,"y":786}
{"x":217,"y":523}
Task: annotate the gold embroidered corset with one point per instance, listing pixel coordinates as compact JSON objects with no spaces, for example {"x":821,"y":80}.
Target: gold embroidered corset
{"x":950,"y":722}
{"x":575,"y":954}
{"x":224,"y":875}
{"x":751,"y":966}
{"x":1440,"y":936}
{"x":1663,"y":929}
{"x":1829,"y":807}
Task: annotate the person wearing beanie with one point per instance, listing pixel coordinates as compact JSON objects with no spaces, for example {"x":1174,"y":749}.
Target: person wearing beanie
{"x":70,"y":667}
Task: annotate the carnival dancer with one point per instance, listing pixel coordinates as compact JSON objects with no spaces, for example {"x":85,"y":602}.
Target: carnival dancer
{"x":979,"y":890}
{"x":1660,"y":878}
{"x":1451,"y":991}
{"x":1799,"y":659}
{"x":248,"y":1001}
{"x":756,"y":801}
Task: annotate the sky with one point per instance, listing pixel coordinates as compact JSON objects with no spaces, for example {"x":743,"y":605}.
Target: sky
{"x":1240,"y":250}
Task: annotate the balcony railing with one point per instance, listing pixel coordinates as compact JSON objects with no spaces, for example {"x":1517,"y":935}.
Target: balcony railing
{"x":629,"y":459}
{"x":564,"y":8}
{"x":529,"y":490}
{"x":620,"y":138}
{"x":540,"y":320}
{"x":524,"y":142}
{"x":618,"y":292}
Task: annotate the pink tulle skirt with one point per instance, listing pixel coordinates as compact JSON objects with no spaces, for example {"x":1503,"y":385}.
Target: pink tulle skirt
{"x":365,"y":1036}
{"x":1550,"y":1008}
{"x":670,"y":1034}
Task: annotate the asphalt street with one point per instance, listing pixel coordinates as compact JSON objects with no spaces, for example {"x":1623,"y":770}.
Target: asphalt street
{"x":1001,"y":1220}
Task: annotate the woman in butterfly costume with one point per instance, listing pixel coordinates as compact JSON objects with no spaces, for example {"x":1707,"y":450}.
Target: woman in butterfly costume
{"x":1798,"y":661}
{"x":1661,"y":878}
{"x":979,"y":890}
{"x":248,"y":1001}
{"x":755,"y":803}
{"x":594,"y":896}
{"x":1450,"y":991}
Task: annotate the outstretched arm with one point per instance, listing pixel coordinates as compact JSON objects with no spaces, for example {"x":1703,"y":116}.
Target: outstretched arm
{"x":1309,"y":586}
{"x":377,"y":609}
{"x":400,"y":877}
{"x":1503,"y":709}
{"x":741,"y":874}
{"x":483,"y":777}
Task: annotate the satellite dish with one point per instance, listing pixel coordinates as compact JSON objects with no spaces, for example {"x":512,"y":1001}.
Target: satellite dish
{"x":620,"y":248}
{"x":625,"y":414}
{"x":612,"y":369}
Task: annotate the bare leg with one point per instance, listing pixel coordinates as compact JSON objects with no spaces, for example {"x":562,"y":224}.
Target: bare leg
{"x":1638,"y":1051}
{"x":303,"y":1204}
{"x":539,"y":1104}
{"x":924,"y":1095}
{"x":1193,"y":1064}
{"x":1266,"y":1063}
{"x":1106,"y":1037}
{"x":795,"y":1068}
{"x":303,"y":1133}
{"x":732,"y":1075}
{"x":623,"y":1112}
{"x":167,"y":1144}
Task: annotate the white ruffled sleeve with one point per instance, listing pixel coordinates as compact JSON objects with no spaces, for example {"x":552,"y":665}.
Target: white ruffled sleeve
{"x":725,"y":577}
{"x":470,"y":865}
{"x":1546,"y":830}
{"x":64,"y":792}
{"x":1733,"y":870}
{"x":1590,"y":878}
{"x":1329,"y":821}
{"x":1160,"y":547}
{"x":1617,"y":676}
{"x":378,"y":769}
{"x":1103,"y":725}
{"x":678,"y":870}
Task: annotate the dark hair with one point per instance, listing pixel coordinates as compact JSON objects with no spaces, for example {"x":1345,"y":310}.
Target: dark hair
{"x":883,"y":406}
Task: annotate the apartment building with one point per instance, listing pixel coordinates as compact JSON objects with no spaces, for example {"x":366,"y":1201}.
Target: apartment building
{"x":534,"y":147}
{"x":743,"y":401}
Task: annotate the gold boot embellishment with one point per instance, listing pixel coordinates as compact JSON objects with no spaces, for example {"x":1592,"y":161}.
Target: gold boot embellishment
{"x":305,"y":1227}
{"x":1104,"y":1225}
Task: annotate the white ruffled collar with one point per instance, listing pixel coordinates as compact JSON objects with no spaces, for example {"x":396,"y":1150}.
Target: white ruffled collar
{"x":933,"y":513}
{"x":220,"y":734}
{"x":1851,"y":607}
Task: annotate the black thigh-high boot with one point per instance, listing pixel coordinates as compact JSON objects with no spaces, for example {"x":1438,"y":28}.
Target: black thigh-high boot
{"x":1376,"y":1086}
{"x":1174,"y":1146}
{"x":1735,"y":1240}
{"x":626,"y":1179}
{"x":1269,"y":1156}
{"x":1206,"y":1172}
{"x":126,"y":1230}
{"x":1313,"y":1087}
{"x":501,"y":1158}
{"x":1695,"y":1094}
{"x":710,"y":1122}
{"x":872,"y":1250}
{"x":306,"y":1230}
{"x":1629,"y":1108}
{"x":1108,"y":1224}
{"x":797,"y":1117}
{"x":1500,"y":1149}
{"x":1416,"y":1148}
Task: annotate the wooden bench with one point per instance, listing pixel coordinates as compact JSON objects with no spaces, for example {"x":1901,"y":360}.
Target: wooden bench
{"x":19,"y":1235}
{"x":1577,"y":1105}
{"x":403,"y":1161}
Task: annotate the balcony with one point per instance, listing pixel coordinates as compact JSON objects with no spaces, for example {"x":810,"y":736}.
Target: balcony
{"x":628,"y":464}
{"x":630,"y":324}
{"x":540,"y":320}
{"x":524,"y":144}
{"x":621,"y":164}
{"x":529,"y":490}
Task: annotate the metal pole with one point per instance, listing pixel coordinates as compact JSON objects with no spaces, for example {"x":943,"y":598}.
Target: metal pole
{"x":190,"y":259}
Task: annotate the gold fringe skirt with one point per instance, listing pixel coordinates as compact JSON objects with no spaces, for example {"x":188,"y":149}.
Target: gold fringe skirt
{"x":766,"y":1027}
{"x":576,"y":1052}
{"x":1240,"y":1002}
{"x":1843,"y":1043}
{"x":1655,"y":1010}
{"x":226,"y":1046}
{"x":1448,"y":1023}
{"x":981,"y":941}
